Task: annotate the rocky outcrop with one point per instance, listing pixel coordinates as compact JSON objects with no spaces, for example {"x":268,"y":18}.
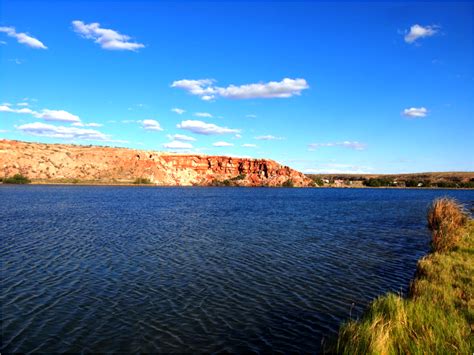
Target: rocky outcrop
{"x":55,"y":162}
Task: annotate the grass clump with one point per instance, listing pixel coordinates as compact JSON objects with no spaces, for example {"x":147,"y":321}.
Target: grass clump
{"x":446,"y":217}
{"x":16,"y":179}
{"x":142,"y":181}
{"x":438,"y":315}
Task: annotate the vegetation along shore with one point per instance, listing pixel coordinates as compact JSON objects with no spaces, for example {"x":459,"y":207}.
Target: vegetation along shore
{"x":437,"y":317}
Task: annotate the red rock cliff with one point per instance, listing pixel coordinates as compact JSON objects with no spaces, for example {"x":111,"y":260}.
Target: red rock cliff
{"x":54,"y":162}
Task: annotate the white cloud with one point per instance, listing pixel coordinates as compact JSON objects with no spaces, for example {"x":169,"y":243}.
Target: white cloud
{"x":46,"y":114}
{"x":268,"y":137}
{"x":3,"y":131}
{"x":249,"y":145}
{"x":181,"y":137}
{"x":179,"y":111}
{"x":345,"y":144}
{"x":23,"y":38}
{"x":23,"y":104}
{"x":7,"y":108}
{"x":222,"y":144}
{"x":56,"y":115}
{"x":251,"y":116}
{"x":92,"y":124}
{"x":106,"y":38}
{"x":206,"y":89}
{"x":151,"y":125}
{"x":415,"y":112}
{"x":178,"y":145}
{"x":417,"y":31}
{"x":48,"y":130}
{"x":238,"y":136}
{"x":201,"y":127}
{"x":203,"y":114}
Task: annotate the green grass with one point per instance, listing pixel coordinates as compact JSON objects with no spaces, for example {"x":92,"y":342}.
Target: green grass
{"x":436,"y":318}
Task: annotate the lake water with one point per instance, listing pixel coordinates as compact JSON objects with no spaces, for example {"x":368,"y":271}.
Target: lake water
{"x":132,"y":269}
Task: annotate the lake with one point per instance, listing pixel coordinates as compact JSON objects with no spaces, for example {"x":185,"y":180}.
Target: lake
{"x":143,"y":269}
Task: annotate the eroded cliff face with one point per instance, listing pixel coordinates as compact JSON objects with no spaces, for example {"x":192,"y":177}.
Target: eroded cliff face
{"x":54,"y":162}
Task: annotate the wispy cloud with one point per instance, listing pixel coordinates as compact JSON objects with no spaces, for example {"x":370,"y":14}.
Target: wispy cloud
{"x":106,"y":38}
{"x":179,"y":111}
{"x":417,"y":31}
{"x":415,"y":112}
{"x":338,"y":169}
{"x":181,"y":137}
{"x":268,"y":137}
{"x":207,"y":90}
{"x":178,"y":145}
{"x":92,"y":124}
{"x":151,"y":125}
{"x":345,"y":144}
{"x":200,"y":127}
{"x":222,"y":144}
{"x":203,"y":114}
{"x":251,"y":116}
{"x":249,"y":145}
{"x":47,"y":130}
{"x":23,"y":38}
{"x":46,"y":114}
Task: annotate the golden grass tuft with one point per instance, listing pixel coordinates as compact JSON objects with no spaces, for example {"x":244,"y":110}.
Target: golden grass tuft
{"x":446,"y":219}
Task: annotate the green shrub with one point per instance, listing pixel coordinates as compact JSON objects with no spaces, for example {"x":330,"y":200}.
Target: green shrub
{"x":16,"y":179}
{"x":142,"y":181}
{"x":288,"y":183}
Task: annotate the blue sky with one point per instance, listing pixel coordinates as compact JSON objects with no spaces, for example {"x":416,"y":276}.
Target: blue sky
{"x":343,"y":87}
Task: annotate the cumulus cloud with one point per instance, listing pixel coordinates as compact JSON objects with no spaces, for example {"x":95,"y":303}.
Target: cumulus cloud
{"x":57,"y":115}
{"x":345,"y":144}
{"x":200,"y":127}
{"x":106,"y":38}
{"x":415,"y":112}
{"x":23,"y":38}
{"x":48,"y":130}
{"x":151,"y":125}
{"x":222,"y":144}
{"x":179,"y":111}
{"x":249,"y":145}
{"x":207,"y":90}
{"x":417,"y":31}
{"x":203,"y":114}
{"x":268,"y":137}
{"x":178,"y":145}
{"x":181,"y":137}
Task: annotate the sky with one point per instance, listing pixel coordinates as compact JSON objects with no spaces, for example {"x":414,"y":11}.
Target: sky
{"x":342,"y":87}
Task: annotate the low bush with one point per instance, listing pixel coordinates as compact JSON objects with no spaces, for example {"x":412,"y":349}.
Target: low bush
{"x":16,"y":179}
{"x":288,"y":183}
{"x":142,"y":181}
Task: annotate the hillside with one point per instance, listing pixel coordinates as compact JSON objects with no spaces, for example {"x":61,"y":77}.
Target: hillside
{"x":66,"y":163}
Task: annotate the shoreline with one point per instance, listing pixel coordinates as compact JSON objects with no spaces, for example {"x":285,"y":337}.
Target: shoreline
{"x":435,"y":316}
{"x":131,"y":184}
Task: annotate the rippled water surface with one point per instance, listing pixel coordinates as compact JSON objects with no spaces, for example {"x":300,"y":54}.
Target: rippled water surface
{"x":199,"y":269}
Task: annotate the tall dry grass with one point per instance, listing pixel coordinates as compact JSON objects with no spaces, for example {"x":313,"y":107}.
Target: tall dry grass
{"x":446,"y":219}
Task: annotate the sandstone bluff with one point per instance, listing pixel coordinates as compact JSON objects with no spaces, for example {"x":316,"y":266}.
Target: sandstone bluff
{"x":65,"y":162}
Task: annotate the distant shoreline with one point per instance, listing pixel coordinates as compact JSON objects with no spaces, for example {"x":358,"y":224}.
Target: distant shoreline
{"x":131,"y":184}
